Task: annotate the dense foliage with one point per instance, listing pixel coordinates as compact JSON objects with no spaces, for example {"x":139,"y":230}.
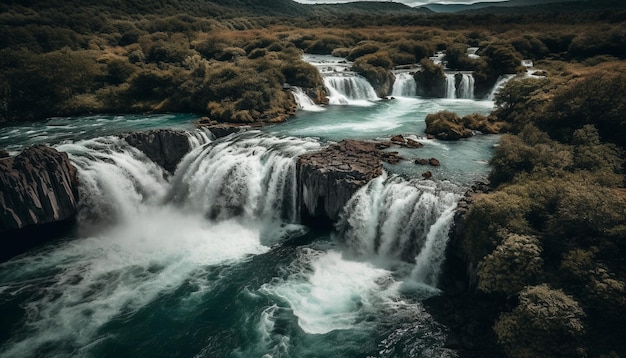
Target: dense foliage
{"x":558,"y":216}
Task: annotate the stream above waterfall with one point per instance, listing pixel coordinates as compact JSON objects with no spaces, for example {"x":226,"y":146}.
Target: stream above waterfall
{"x":211,"y":261}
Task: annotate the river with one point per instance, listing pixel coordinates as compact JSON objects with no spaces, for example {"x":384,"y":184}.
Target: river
{"x":212,"y":262}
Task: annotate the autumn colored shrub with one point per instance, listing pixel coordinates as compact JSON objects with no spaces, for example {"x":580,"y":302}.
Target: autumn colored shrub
{"x":511,"y":266}
{"x":546,"y":323}
{"x":363,"y":49}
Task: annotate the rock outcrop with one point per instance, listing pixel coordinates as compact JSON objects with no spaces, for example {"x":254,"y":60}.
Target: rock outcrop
{"x":39,"y":186}
{"x":165,"y":147}
{"x":327,"y":179}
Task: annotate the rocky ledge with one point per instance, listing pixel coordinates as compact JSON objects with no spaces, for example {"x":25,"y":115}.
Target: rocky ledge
{"x":166,"y":147}
{"x":37,"y":187}
{"x":327,"y":179}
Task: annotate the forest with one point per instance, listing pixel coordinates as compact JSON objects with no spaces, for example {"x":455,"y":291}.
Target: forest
{"x":548,"y":242}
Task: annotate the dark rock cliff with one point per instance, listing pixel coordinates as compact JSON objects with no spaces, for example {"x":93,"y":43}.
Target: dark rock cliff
{"x":39,"y":186}
{"x":327,"y":179}
{"x":165,"y":147}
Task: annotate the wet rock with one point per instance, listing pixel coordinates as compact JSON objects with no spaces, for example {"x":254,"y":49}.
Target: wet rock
{"x":410,"y":143}
{"x":427,"y":174}
{"x":39,"y":186}
{"x":327,"y":179}
{"x":398,"y":139}
{"x":434,"y":162}
{"x":165,"y":147}
{"x":421,"y":161}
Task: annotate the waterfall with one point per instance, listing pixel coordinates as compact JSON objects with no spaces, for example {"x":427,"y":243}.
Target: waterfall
{"x":502,"y":80}
{"x":346,"y":89}
{"x":251,"y":176}
{"x":466,"y":87}
{"x":450,"y":85}
{"x":399,"y":220}
{"x":404,"y":86}
{"x":305,"y":102}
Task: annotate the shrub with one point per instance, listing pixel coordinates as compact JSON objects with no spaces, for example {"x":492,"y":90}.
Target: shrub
{"x":598,"y":99}
{"x":364,"y":49}
{"x":446,"y":125}
{"x":301,"y":74}
{"x":514,"y":264}
{"x":531,"y":152}
{"x":546,"y":323}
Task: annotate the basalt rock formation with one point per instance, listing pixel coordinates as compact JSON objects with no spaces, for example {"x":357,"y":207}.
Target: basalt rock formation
{"x":327,"y":179}
{"x":37,"y":187}
{"x":165,"y":147}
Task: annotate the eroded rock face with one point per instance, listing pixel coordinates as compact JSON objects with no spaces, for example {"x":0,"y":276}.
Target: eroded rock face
{"x":328,"y":178}
{"x":38,"y":186}
{"x":165,"y":147}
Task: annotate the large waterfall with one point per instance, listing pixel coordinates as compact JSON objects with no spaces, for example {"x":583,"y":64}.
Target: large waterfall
{"x":404,"y":86}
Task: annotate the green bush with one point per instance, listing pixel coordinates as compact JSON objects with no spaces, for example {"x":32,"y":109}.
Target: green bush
{"x":546,"y":323}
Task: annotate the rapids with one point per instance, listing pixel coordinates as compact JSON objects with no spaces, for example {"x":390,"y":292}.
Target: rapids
{"x":212,"y":261}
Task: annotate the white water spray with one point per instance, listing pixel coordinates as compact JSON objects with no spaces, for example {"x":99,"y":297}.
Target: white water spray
{"x":349,"y":89}
{"x":305,"y":102}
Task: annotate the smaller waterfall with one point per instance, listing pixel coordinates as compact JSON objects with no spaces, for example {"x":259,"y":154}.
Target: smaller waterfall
{"x":347,"y":89}
{"x":404,"y":86}
{"x":450,"y":85}
{"x":466,"y":87}
{"x":502,"y":80}
{"x":305,"y":102}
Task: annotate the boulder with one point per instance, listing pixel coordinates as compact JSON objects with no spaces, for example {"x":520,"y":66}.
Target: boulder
{"x":39,"y":186}
{"x":327,"y":179}
{"x":166,"y":147}
{"x":427,"y":174}
{"x":434,"y":162}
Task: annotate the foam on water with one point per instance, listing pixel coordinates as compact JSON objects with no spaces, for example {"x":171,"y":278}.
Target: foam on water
{"x":326,"y":292}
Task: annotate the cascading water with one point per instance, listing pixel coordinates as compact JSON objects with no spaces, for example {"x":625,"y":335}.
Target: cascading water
{"x":210,"y":261}
{"x":349,"y":89}
{"x":450,"y":85}
{"x":394,"y":219}
{"x":466,"y":87}
{"x":404,"y":86}
{"x":502,"y":80}
{"x":305,"y":102}
{"x":250,"y":176}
